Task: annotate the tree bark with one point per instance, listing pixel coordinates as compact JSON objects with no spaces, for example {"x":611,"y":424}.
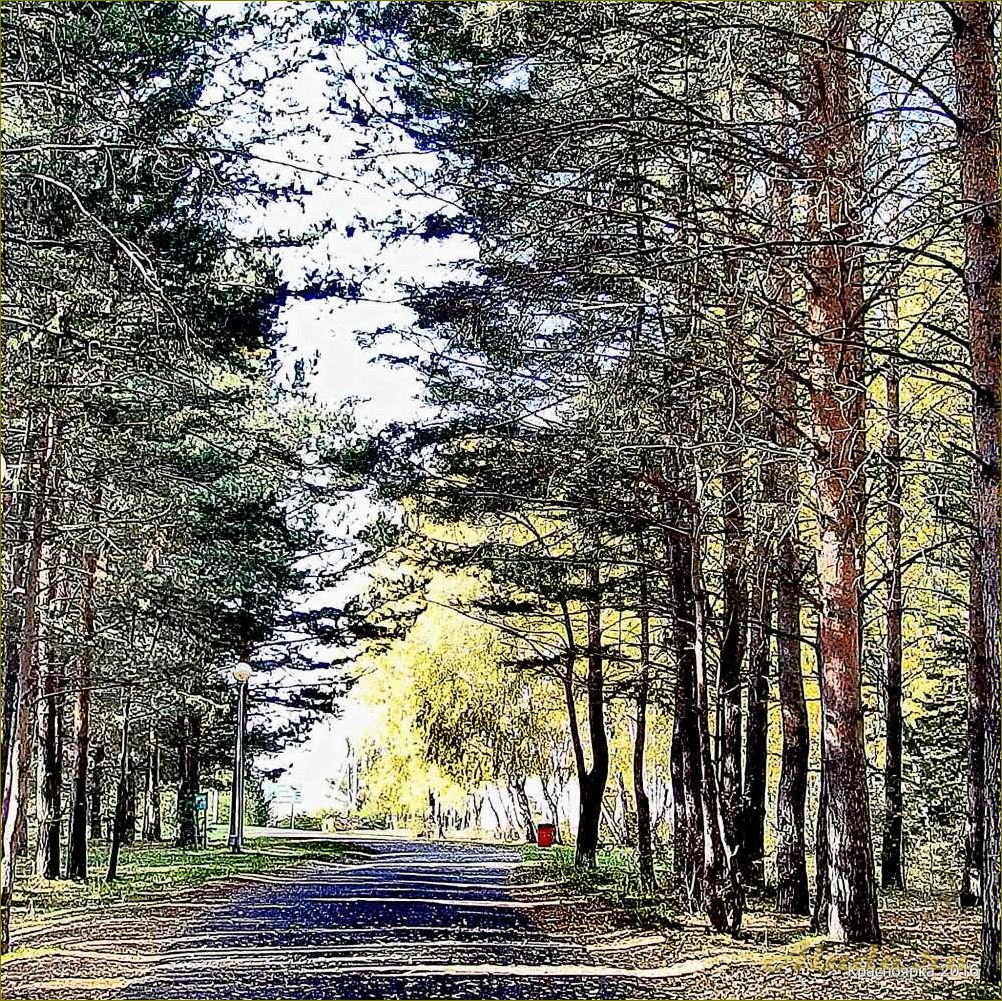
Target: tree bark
{"x":121,"y":792}
{"x":12,"y":623}
{"x":627,"y":832}
{"x":734,"y":584}
{"x":187,"y":819}
{"x":792,"y":895}
{"x":131,"y":804}
{"x":521,"y":798}
{"x":822,"y":857}
{"x":49,"y":773}
{"x":974,"y":824}
{"x":97,"y":794}
{"x":594,"y":779}
{"x":152,"y":828}
{"x":752,"y":845}
{"x":975,"y":61}
{"x":891,"y":867}
{"x":686,"y":768}
{"x":17,"y":761}
{"x":732,"y":648}
{"x":835,"y":313}
{"x":645,"y":842}
{"x":76,"y":863}
{"x":723,"y":899}
{"x":792,"y":892}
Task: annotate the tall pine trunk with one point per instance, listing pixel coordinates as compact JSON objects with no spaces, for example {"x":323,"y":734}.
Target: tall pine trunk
{"x":645,"y":841}
{"x":974,"y":823}
{"x":792,"y":894}
{"x":835,"y":324}
{"x":152,"y":830}
{"x":593,"y":780}
{"x":76,"y":864}
{"x":723,"y":899}
{"x":49,"y":772}
{"x":121,"y":791}
{"x":17,"y":756}
{"x":523,"y":807}
{"x":686,"y":767}
{"x":752,"y":844}
{"x":732,"y":648}
{"x":734,"y":588}
{"x":97,"y":794}
{"x":131,"y":804}
{"x":975,"y":62}
{"x":188,"y":751}
{"x":891,"y":862}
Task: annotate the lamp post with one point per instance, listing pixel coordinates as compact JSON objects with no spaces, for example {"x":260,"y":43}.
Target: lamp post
{"x":241,"y":675}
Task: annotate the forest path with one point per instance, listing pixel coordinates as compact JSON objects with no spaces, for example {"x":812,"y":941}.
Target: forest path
{"x":409,"y":919}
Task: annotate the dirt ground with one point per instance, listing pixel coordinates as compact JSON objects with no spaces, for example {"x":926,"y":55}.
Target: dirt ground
{"x":930,"y":950}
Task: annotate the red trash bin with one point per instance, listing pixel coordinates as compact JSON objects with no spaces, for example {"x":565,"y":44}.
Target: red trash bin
{"x":546,"y":834}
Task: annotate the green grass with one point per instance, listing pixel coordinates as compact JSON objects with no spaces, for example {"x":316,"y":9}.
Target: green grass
{"x":152,"y":871}
{"x":614,"y":879}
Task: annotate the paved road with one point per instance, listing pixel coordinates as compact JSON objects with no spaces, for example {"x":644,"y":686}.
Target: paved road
{"x":410,"y":920}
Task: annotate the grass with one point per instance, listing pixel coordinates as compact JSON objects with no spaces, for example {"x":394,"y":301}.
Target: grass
{"x":154,"y":871}
{"x":614,"y":879}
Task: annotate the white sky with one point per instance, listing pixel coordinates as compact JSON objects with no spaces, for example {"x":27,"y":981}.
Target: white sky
{"x":345,"y":373}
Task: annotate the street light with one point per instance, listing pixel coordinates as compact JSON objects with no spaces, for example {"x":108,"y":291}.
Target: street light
{"x":241,"y":675}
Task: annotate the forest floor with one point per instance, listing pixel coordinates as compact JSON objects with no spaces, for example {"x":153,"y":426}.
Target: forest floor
{"x":930,"y":947}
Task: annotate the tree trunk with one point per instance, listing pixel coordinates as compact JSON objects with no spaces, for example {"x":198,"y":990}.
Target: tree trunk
{"x":757,"y":725}
{"x":974,"y":825}
{"x":121,"y":792}
{"x":734,"y":583}
{"x":152,"y":830}
{"x":686,"y":768}
{"x":822,"y":852}
{"x":131,"y":805}
{"x":17,"y":761}
{"x":792,"y":895}
{"x":12,"y":624}
{"x":975,"y":62}
{"x":49,"y":772}
{"x":594,"y":779}
{"x":524,"y":807}
{"x":792,"y":892}
{"x":891,"y":871}
{"x":187,"y":819}
{"x":627,"y":832}
{"x":722,"y":895}
{"x":645,"y":846}
{"x":835,"y":312}
{"x":822,"y":857}
{"x":732,"y":648}
{"x":76,"y":863}
{"x":97,"y":794}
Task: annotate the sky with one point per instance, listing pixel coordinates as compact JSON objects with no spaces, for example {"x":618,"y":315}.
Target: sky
{"x":341,"y":193}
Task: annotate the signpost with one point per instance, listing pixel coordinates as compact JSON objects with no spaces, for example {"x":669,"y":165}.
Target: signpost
{"x":202,"y":810}
{"x":288,"y":795}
